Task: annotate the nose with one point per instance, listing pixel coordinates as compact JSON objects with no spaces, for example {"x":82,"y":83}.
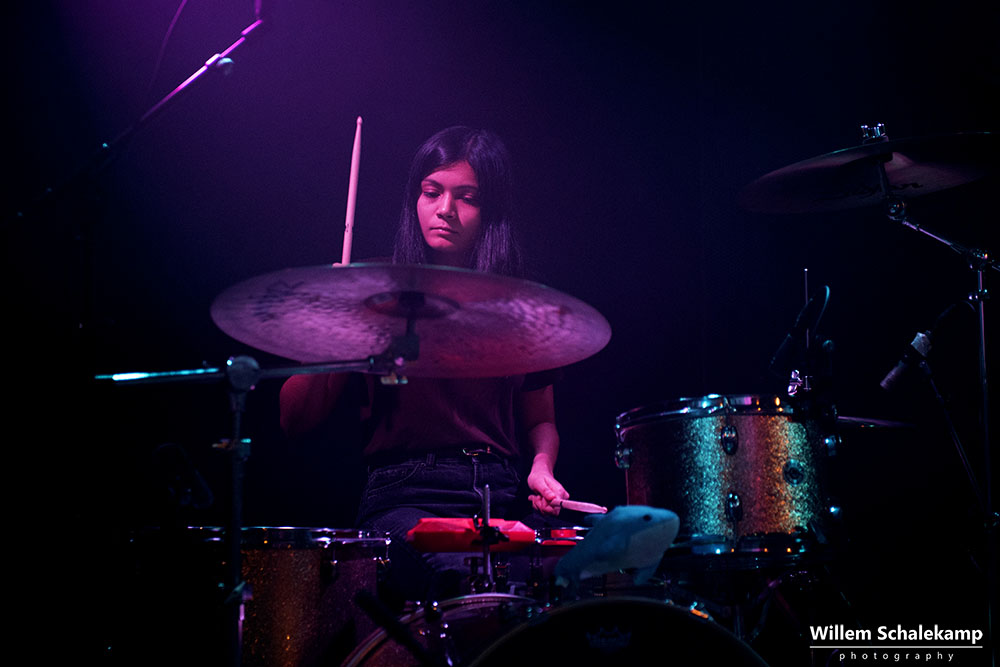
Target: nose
{"x":446,"y":206}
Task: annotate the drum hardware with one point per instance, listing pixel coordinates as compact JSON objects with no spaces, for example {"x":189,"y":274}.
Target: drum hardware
{"x":489,"y":536}
{"x":623,"y":454}
{"x":730,"y":439}
{"x":734,"y":508}
{"x":449,"y":632}
{"x":979,"y":261}
{"x":793,"y":472}
{"x":889,"y":173}
{"x":831,"y":442}
{"x":397,"y":631}
{"x":241,"y":374}
{"x":809,"y":366}
{"x":335,"y":312}
{"x":798,"y":341}
{"x":797,"y":382}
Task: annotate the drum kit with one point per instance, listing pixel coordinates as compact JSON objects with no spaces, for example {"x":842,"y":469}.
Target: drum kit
{"x":745,"y":473}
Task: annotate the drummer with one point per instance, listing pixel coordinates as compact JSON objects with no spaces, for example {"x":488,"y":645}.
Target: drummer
{"x":436,"y":443}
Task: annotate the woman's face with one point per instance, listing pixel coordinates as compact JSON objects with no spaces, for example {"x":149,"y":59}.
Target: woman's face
{"x":449,"y":212}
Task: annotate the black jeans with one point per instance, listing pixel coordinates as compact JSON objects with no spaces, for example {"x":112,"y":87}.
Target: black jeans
{"x":448,"y":485}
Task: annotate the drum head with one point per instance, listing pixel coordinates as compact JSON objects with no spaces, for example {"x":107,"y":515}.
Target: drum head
{"x":619,"y":631}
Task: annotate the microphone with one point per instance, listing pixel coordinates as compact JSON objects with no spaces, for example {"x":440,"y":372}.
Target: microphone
{"x":805,"y":323}
{"x":914,"y":356}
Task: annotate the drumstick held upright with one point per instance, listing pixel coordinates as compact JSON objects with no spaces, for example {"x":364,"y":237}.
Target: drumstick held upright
{"x":352,"y":196}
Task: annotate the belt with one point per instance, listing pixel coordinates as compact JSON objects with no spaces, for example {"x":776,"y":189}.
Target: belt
{"x":430,"y":458}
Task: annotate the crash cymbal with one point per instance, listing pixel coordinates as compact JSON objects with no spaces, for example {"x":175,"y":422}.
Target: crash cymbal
{"x":469,"y":324}
{"x":850,"y":178}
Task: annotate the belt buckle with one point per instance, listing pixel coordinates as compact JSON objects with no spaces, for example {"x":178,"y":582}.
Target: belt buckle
{"x":475,"y":452}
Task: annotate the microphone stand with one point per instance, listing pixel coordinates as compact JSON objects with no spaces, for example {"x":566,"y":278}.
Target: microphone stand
{"x":108,"y":151}
{"x":242,"y":374}
{"x":80,"y":188}
{"x":979,"y":262}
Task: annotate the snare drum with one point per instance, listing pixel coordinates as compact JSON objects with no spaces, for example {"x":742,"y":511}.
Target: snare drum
{"x":742,"y":472}
{"x":501,"y":630}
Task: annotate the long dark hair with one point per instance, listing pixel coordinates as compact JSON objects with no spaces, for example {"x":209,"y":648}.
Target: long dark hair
{"x":497,"y":250}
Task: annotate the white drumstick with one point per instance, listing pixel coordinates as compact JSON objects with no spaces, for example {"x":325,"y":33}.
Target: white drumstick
{"x":589,"y":508}
{"x":352,"y":196}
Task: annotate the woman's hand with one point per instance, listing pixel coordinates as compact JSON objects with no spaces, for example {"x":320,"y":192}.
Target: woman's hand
{"x":548,"y":491}
{"x":539,"y":418}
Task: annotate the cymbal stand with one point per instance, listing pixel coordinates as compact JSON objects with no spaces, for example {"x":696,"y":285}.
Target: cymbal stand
{"x":242,"y":374}
{"x":81,"y":187}
{"x":979,"y":262}
{"x":489,"y":535}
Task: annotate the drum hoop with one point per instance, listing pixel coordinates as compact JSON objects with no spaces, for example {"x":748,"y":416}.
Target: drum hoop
{"x":544,"y":536}
{"x":644,"y":602}
{"x":380,"y":636}
{"x":705,"y":406}
{"x":477,"y":600}
{"x":292,"y":536}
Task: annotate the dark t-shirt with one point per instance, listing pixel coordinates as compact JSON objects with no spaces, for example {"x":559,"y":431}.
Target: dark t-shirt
{"x":427,"y":415}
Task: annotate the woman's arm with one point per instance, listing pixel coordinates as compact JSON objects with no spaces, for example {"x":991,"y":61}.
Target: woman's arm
{"x":305,"y":401}
{"x":538,"y":415}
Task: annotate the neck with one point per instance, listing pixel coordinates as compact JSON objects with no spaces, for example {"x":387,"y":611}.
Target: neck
{"x":455,"y":260}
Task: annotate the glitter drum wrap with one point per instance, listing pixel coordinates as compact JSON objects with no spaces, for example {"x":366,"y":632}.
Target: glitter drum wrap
{"x":303,"y":582}
{"x":742,"y":472}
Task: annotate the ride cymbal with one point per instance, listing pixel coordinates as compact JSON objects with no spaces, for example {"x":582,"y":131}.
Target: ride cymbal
{"x":469,"y":324}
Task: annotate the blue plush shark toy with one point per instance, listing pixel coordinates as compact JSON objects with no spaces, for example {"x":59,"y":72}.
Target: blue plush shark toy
{"x":629,"y":537}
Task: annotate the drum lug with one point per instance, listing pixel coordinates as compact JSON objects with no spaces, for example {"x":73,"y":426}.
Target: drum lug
{"x":623,"y":457}
{"x":734,"y":507}
{"x":793,"y":472}
{"x":831,"y":442}
{"x":730,"y":439}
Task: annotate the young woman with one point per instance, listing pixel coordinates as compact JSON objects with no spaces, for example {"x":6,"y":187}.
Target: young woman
{"x":437,"y":443}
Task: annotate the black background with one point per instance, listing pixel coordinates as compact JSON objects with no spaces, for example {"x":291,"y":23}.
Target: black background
{"x":633,"y":128}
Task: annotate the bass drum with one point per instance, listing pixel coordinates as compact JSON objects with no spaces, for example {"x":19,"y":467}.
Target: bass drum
{"x":496,"y":630}
{"x":619,"y":631}
{"x":457,"y":630}
{"x":742,"y":472}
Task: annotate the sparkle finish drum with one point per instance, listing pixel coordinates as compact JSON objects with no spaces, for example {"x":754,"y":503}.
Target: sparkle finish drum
{"x":298,"y":596}
{"x":742,"y":472}
{"x":302,"y":584}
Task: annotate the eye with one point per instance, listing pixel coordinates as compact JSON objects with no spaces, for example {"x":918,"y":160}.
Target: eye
{"x":647,"y":517}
